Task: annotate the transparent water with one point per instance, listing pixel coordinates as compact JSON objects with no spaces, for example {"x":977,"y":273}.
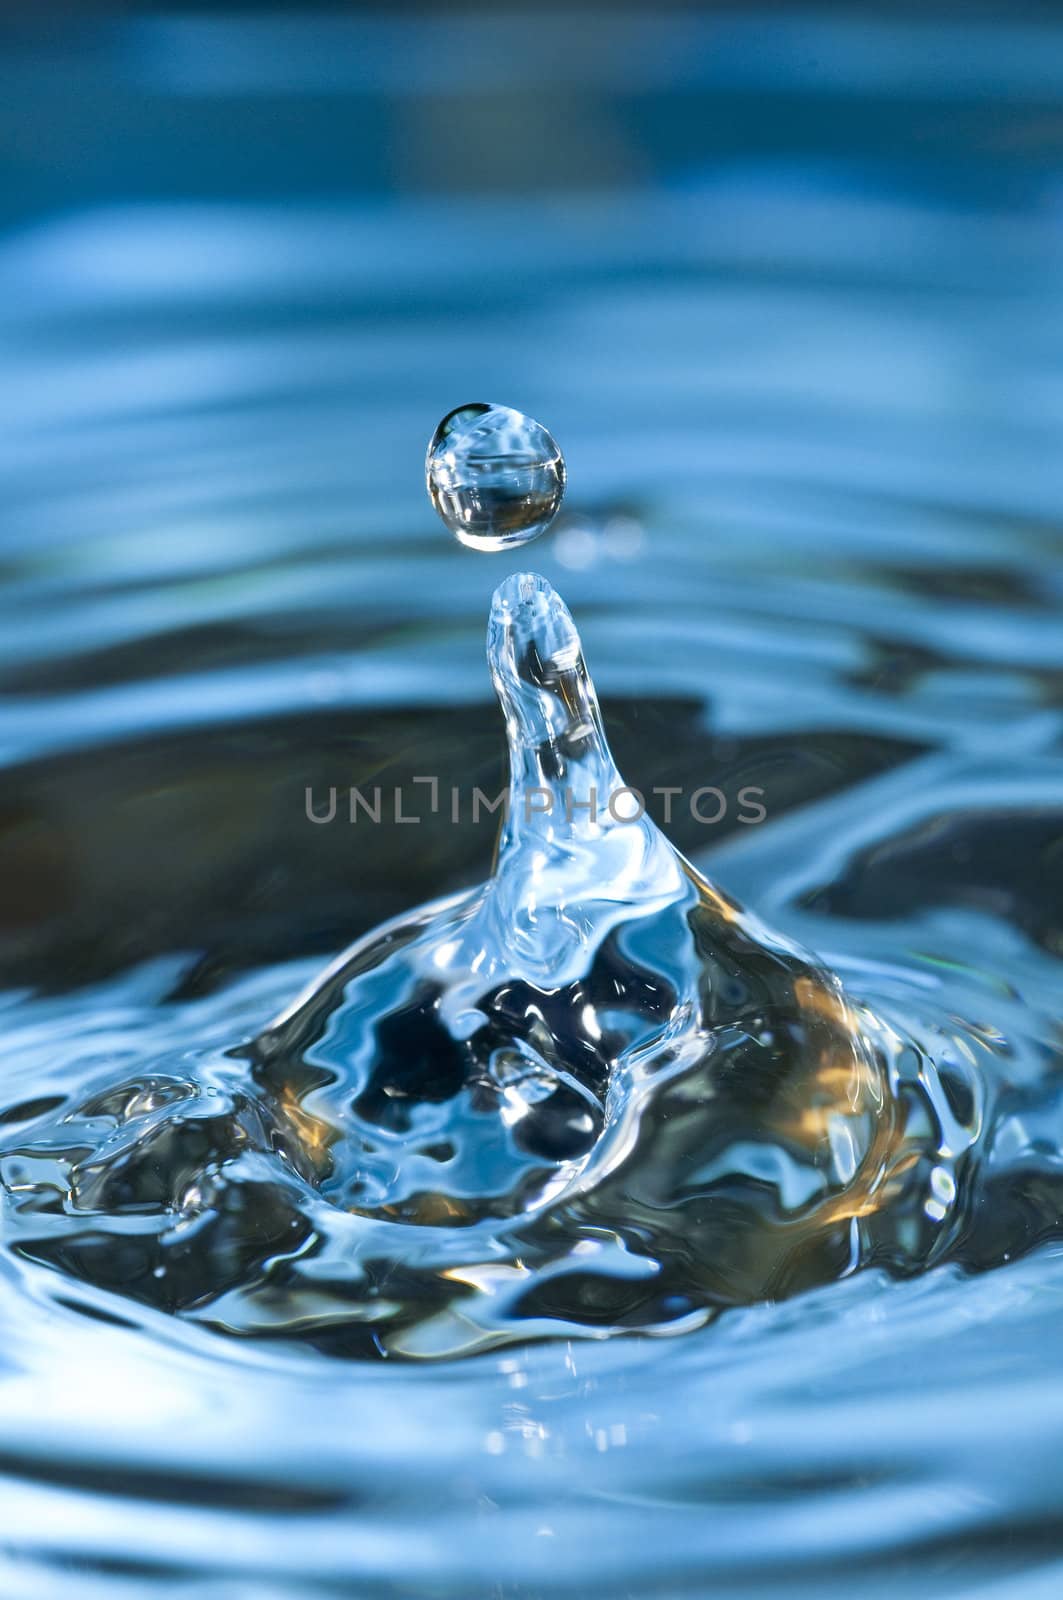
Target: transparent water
{"x":808,"y":395}
{"x":495,"y":476}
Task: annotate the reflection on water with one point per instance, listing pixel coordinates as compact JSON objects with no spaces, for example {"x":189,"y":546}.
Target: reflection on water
{"x":796,"y":314}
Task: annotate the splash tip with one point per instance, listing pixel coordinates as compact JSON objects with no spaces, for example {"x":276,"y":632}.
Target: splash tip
{"x":522,"y":589}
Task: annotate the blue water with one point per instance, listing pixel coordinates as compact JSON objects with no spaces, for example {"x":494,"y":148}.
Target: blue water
{"x":788,"y":293}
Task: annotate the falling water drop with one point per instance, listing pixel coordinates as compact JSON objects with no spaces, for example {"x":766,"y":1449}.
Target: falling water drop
{"x":495,"y":476}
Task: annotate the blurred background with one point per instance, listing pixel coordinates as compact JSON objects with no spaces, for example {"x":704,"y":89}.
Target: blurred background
{"x":787,"y":285}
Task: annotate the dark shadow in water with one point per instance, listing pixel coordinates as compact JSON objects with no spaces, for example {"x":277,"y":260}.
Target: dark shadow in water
{"x":201,"y":842}
{"x":1003,"y":863}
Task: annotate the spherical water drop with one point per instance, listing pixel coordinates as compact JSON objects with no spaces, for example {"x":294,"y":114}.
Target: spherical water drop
{"x":495,"y":476}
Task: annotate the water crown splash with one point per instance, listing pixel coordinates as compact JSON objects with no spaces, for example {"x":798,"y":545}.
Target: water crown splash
{"x":650,"y":1102}
{"x":589,"y":1096}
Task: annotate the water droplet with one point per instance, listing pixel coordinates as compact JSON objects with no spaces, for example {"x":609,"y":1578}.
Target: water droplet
{"x":495,"y":476}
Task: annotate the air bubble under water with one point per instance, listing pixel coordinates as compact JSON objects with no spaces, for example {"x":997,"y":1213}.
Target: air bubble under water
{"x":495,"y":476}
